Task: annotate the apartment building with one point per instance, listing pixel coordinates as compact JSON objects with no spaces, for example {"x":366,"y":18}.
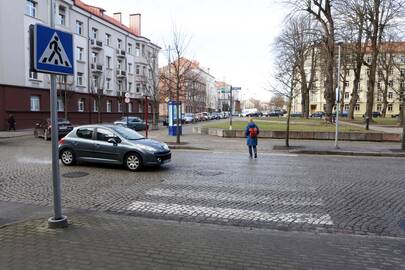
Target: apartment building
{"x":111,"y":59}
{"x":196,"y":87}
{"x":395,"y":82}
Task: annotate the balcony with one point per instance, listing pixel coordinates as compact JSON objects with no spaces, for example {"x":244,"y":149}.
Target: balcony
{"x":96,"y":44}
{"x":121,"y":53}
{"x":97,"y":68}
{"x":121,"y":73}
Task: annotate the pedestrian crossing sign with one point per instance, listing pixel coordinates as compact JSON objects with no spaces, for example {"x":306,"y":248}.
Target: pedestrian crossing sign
{"x":51,"y":50}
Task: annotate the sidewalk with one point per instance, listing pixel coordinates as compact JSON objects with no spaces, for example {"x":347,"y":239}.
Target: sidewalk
{"x":18,"y":133}
{"x":104,"y":241}
{"x":394,"y":130}
{"x":320,"y":147}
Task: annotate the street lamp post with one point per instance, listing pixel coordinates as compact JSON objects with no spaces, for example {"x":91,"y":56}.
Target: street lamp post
{"x":230,"y":108}
{"x":337,"y":98}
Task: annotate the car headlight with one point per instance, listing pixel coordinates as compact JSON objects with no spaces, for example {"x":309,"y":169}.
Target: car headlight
{"x":166,"y":147}
{"x":147,"y":148}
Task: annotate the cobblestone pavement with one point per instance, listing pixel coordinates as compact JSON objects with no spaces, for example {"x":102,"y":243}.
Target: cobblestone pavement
{"x":286,"y":192}
{"x":101,"y":241}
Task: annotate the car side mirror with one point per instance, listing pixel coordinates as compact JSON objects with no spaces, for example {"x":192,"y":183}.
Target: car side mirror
{"x":113,"y":141}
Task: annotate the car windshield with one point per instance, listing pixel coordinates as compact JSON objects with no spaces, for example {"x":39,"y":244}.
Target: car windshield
{"x":189,"y":114}
{"x":127,"y":133}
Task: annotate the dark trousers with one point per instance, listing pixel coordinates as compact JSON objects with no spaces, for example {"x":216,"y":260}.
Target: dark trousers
{"x":11,"y":127}
{"x":254,"y":147}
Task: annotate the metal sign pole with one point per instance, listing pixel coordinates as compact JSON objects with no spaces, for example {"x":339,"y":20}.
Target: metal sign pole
{"x":58,"y":220}
{"x":337,"y":102}
{"x":230,"y":108}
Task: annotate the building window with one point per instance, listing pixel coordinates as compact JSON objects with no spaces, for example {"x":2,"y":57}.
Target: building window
{"x":391,"y":83}
{"x":402,"y":72}
{"x":79,"y":27}
{"x":140,"y":107}
{"x":379,"y":107}
{"x":95,"y":107}
{"x":403,"y":58}
{"x":346,"y":83}
{"x":35,"y":103}
{"x":80,"y":105}
{"x":107,"y":39}
{"x":138,"y":87}
{"x":389,"y":108}
{"x":130,"y":87}
{"x":143,"y":50}
{"x":119,"y":85}
{"x":109,"y":106}
{"x":347,"y":107}
{"x":33,"y":75}
{"x":357,"y":107}
{"x":31,"y":8}
{"x":94,"y":33}
{"x":108,"y":83}
{"x":369,"y":59}
{"x":79,"y":53}
{"x":94,"y":82}
{"x":79,"y":78}
{"x":390,"y":95}
{"x":119,"y":43}
{"x":130,"y":68}
{"x":119,"y":64}
{"x":129,"y":107}
{"x":94,"y":57}
{"x":62,"y":15}
{"x":347,"y":95}
{"x":129,"y":48}
{"x":137,"y":49}
{"x":119,"y":106}
{"x":108,"y":60}
{"x":402,"y":86}
{"x":59,"y":104}
{"x":137,"y":69}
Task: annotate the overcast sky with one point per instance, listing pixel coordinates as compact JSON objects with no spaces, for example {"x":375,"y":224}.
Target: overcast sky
{"x":231,"y":37}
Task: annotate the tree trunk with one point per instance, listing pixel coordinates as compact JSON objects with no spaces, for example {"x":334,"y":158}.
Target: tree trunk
{"x":98,"y":109}
{"x":66,"y":105}
{"x":329,"y":93}
{"x":403,"y":124}
{"x":177,"y":113}
{"x":385,"y":98}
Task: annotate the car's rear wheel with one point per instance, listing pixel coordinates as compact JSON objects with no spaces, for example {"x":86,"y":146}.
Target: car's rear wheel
{"x":133,"y":162}
{"x":67,"y":157}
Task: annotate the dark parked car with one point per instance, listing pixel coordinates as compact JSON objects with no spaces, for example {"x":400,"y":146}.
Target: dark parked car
{"x":254,"y":114}
{"x":318,"y":114}
{"x":341,"y":114}
{"x":43,"y":128}
{"x":374,"y":114}
{"x":296,"y":114}
{"x":276,"y":113}
{"x":113,"y":144}
{"x":134,"y":123}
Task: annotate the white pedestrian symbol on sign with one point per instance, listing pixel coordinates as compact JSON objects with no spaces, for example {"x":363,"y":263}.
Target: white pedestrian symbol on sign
{"x":55,"y":54}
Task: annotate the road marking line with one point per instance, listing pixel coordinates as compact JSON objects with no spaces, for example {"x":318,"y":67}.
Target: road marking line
{"x":225,"y":196}
{"x":229,"y":213}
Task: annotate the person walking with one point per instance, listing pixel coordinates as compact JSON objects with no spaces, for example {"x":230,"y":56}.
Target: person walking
{"x":11,"y":122}
{"x":251,"y":133}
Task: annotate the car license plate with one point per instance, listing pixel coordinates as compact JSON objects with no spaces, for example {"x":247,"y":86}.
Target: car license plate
{"x":62,"y":128}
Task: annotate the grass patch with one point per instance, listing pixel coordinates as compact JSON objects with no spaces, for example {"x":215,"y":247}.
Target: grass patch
{"x":271,"y":125}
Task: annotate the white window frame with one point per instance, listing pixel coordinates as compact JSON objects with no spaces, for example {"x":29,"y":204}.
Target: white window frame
{"x":79,"y":78}
{"x":119,"y":43}
{"x":59,"y":104}
{"x":109,"y":106}
{"x":119,"y":106}
{"x":357,"y":107}
{"x":129,"y":48}
{"x":79,"y":51}
{"x":108,"y":39}
{"x":129,"y":107}
{"x":108,"y":83}
{"x":95,"y":109}
{"x":129,"y":86}
{"x":62,"y":15}
{"x":108,"y":60}
{"x":137,"y":49}
{"x":94,"y":33}
{"x":129,"y":68}
{"x":390,"y":95}
{"x":79,"y":27}
{"x":33,"y":75}
{"x":390,"y":107}
{"x":138,"y":88}
{"x":35,"y":103}
{"x":80,"y":105}
{"x":31,"y":8}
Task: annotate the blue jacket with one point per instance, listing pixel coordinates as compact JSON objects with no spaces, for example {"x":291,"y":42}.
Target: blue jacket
{"x":251,"y":141}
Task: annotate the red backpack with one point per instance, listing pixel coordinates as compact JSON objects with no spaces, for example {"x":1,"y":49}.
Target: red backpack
{"x":253,"y":132}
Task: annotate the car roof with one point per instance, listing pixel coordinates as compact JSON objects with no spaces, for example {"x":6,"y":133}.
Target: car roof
{"x":96,"y":126}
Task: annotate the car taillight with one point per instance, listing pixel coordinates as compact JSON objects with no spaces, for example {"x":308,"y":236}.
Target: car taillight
{"x":62,"y":141}
{"x":49,"y":126}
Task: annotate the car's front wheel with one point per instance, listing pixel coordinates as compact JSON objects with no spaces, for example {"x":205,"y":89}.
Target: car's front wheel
{"x":67,"y":157}
{"x":133,"y":162}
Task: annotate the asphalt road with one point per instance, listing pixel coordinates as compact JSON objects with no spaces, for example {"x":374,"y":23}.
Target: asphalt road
{"x":286,"y":192}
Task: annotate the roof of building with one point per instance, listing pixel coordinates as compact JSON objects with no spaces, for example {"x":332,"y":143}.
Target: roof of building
{"x":99,"y":12}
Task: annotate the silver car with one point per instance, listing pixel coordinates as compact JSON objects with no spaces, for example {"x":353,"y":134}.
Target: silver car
{"x":112,"y":144}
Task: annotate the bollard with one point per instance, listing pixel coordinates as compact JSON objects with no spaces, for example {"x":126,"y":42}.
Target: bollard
{"x":367,"y":122}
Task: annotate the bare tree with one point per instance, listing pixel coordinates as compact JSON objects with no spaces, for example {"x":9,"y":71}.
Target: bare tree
{"x":278,"y":101}
{"x":322,"y":11}
{"x":153,"y":80}
{"x":286,"y":66}
{"x":382,"y":15}
{"x":351,"y":18}
{"x":175,"y":75}
{"x":65,"y":86}
{"x":97,"y":91}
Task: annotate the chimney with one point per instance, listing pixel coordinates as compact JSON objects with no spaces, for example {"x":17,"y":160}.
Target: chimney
{"x":135,"y":23}
{"x":118,"y":16}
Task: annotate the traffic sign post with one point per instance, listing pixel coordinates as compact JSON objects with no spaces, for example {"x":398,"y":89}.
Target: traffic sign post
{"x":52,"y":52}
